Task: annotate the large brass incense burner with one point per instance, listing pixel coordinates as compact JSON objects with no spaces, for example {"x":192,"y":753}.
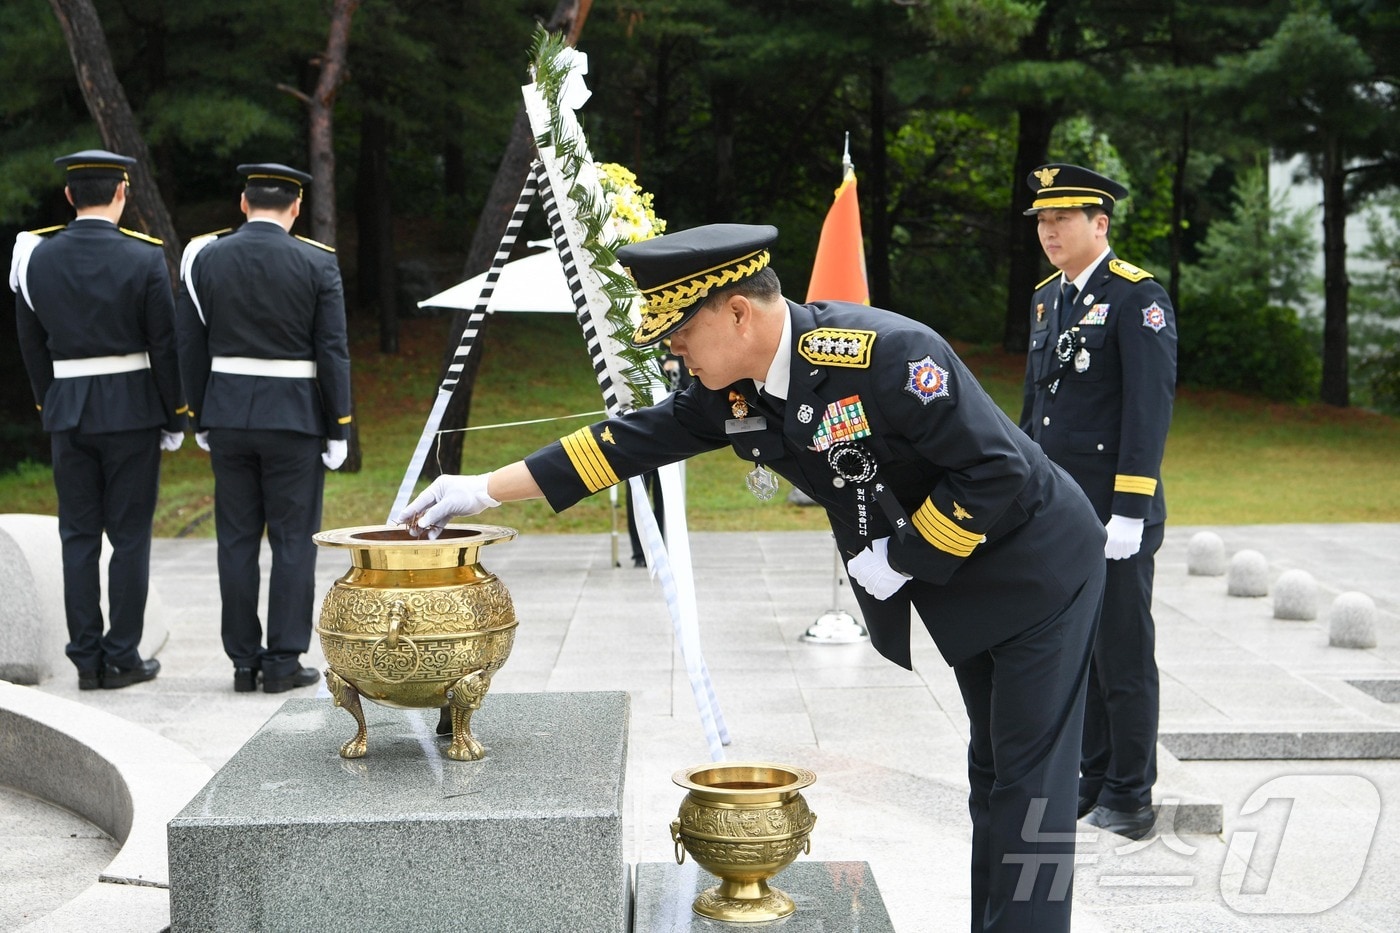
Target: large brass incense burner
{"x":416,"y":623}
{"x":743,"y":822}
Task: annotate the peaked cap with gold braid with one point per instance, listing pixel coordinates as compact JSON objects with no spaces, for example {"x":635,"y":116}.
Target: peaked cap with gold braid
{"x":274,"y":175}
{"x":677,"y":271}
{"x":1061,"y":186}
{"x":95,"y":163}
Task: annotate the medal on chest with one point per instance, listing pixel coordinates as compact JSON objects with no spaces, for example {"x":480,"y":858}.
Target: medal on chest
{"x":760,"y":481}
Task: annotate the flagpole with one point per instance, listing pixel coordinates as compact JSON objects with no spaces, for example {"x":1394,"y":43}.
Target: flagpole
{"x":836,"y":626}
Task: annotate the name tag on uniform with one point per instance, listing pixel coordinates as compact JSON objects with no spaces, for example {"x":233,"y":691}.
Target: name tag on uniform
{"x":745,"y":425}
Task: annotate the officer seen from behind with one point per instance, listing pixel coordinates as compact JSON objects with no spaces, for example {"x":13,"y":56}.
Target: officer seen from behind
{"x":263,"y":349}
{"x":93,"y":311}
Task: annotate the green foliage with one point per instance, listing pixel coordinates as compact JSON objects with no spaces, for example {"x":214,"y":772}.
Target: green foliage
{"x":1374,"y":329}
{"x":1239,"y":322}
{"x":216,"y":123}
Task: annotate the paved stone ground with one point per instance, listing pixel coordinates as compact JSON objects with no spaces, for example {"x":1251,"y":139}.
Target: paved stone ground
{"x":1307,"y":844}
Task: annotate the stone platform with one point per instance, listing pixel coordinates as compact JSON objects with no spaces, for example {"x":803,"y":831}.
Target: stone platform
{"x":289,"y":835}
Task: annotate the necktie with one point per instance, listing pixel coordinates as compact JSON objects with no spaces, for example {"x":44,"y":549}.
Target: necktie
{"x":1067,"y":306}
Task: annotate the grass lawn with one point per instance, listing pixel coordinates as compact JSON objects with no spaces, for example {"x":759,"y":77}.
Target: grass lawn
{"x":1230,"y":459}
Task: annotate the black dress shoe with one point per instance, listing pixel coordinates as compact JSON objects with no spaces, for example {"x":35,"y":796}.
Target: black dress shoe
{"x":1131,"y":824}
{"x":1085,"y":805}
{"x":89,"y":680}
{"x":114,"y":677}
{"x":245,"y":679}
{"x":304,"y":677}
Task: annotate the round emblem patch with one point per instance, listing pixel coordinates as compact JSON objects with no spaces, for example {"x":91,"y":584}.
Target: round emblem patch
{"x":927,"y":380}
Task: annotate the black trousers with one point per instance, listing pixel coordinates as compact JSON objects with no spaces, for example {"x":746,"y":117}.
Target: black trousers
{"x":1025,"y":704}
{"x":1118,"y":765}
{"x":651,"y":482}
{"x":269,"y":480}
{"x":106,"y":482}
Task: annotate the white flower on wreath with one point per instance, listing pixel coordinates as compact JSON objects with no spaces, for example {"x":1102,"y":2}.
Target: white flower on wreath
{"x":630,"y":217}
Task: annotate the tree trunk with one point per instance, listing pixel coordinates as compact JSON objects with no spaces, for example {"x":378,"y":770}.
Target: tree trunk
{"x":107,"y":103}
{"x":1178,"y":231}
{"x":879,"y":210}
{"x":1033,"y":128}
{"x":374,"y":216}
{"x":568,"y":18}
{"x":1335,"y":388}
{"x":320,"y":109}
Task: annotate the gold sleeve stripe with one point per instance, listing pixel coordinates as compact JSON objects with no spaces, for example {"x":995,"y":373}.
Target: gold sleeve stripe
{"x":346,"y":420}
{"x":940,"y":531}
{"x":183,"y":409}
{"x":588,"y":460}
{"x":1142,"y":485}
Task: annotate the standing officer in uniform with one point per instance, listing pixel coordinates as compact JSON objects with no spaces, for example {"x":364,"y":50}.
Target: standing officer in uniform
{"x":94,"y":315}
{"x":263,"y":349}
{"x":936,"y":500}
{"x":1100,"y":378}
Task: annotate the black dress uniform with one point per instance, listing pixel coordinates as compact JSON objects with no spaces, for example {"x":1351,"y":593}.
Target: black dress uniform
{"x":94,"y":318}
{"x":886,"y":429}
{"x":263,"y":349}
{"x":1100,"y":380}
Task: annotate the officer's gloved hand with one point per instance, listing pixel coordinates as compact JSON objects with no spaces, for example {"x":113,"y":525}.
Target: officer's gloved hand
{"x":1124,"y":537}
{"x":171,"y":440}
{"x":335,"y":454}
{"x":202,"y":439}
{"x":446,"y":497}
{"x":871,"y":569}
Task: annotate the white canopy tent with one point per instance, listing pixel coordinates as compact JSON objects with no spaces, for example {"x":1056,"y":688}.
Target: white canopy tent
{"x":532,"y":283}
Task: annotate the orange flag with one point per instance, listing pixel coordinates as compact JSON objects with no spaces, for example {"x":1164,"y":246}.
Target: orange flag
{"x":838,"y":273}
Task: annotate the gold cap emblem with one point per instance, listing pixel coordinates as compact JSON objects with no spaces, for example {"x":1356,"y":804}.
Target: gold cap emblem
{"x":1046,"y":176}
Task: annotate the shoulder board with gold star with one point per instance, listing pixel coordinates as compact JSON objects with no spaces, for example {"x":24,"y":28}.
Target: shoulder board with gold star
{"x":45,"y":231}
{"x":1127,"y":270}
{"x":1048,"y":279}
{"x":835,"y":346}
{"x":138,"y":235}
{"x":329,"y":249}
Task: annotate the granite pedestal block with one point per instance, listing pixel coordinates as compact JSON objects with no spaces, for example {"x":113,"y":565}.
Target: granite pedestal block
{"x":290,"y":836}
{"x":830,"y":897}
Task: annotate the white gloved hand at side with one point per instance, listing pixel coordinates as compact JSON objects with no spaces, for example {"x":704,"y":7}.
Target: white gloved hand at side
{"x":202,"y":439}
{"x":171,"y":440}
{"x":335,"y":454}
{"x":446,"y":497}
{"x":1124,"y":537}
{"x":871,"y":569}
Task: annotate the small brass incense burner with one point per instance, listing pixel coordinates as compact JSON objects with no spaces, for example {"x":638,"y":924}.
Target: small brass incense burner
{"x":743,"y":822}
{"x":416,"y":623}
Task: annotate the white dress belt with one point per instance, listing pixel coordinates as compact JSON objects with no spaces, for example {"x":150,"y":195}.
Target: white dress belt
{"x":100,"y":365}
{"x":253,"y":366}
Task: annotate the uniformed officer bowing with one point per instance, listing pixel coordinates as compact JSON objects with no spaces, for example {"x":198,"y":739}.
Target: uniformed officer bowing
{"x":1100,"y":379}
{"x":937,"y":501}
{"x":263,"y":350}
{"x":93,"y":313}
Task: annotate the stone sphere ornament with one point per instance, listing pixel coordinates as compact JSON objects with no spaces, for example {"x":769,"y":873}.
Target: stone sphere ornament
{"x":1249,"y":574}
{"x":1295,"y":596}
{"x":1351,"y":623}
{"x":1205,"y":555}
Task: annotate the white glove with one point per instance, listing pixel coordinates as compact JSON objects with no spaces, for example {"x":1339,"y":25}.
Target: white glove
{"x":1124,"y":537}
{"x":446,"y":497}
{"x":202,"y":439}
{"x":171,"y":440}
{"x":871,"y":569}
{"x":335,"y":454}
